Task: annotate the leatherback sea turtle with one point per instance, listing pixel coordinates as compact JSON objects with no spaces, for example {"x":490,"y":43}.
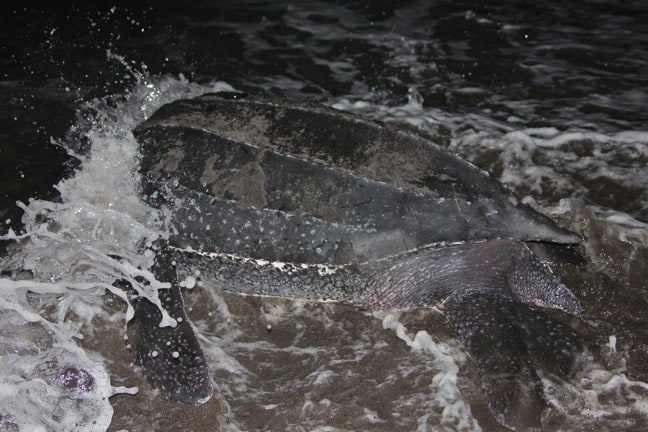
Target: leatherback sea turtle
{"x":294,"y":199}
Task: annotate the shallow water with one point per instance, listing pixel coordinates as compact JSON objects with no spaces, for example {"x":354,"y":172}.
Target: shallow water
{"x":550,"y":99}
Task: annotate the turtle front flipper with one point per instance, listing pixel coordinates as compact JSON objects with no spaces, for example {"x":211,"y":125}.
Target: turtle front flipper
{"x":171,"y":357}
{"x":507,"y":340}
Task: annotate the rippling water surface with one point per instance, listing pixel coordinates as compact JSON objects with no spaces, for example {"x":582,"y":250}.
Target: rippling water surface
{"x":549,"y":97}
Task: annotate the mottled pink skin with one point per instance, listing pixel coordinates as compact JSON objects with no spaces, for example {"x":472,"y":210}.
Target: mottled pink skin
{"x":426,"y":278}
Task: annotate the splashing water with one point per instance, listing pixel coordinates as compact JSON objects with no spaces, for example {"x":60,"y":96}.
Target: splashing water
{"x":68,"y":255}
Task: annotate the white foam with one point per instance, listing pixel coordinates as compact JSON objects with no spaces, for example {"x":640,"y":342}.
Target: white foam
{"x":189,"y":282}
{"x":48,"y":383}
{"x":599,"y":398}
{"x":612,"y":340}
{"x":445,"y":396}
{"x":76,"y":249}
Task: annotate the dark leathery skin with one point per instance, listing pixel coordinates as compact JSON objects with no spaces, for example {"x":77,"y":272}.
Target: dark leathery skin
{"x":292,"y":199}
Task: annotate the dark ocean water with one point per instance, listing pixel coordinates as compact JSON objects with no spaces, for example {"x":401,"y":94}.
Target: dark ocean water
{"x":551,"y":97}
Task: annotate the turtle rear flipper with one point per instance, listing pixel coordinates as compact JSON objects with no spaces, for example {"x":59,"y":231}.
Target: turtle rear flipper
{"x":505,"y":339}
{"x":171,"y":357}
